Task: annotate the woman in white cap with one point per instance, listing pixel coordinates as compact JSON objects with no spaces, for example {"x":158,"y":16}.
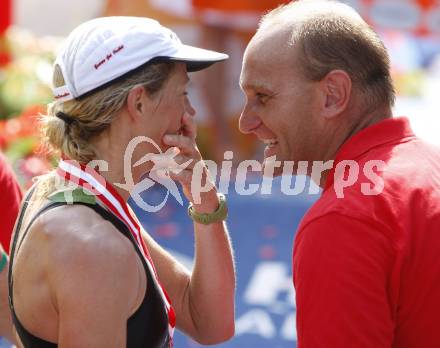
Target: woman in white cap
{"x":83,"y":272}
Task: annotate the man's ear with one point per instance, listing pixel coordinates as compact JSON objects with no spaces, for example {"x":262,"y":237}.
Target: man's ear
{"x":137,"y":100}
{"x":336,"y":89}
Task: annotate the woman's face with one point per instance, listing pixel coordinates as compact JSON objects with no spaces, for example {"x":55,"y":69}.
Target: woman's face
{"x":169,"y":106}
{"x":163,"y":116}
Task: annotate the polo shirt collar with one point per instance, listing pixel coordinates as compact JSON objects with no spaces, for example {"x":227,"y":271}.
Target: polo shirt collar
{"x":391,"y":130}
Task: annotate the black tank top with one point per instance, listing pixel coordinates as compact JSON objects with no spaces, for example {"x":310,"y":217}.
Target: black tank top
{"x":146,"y":328}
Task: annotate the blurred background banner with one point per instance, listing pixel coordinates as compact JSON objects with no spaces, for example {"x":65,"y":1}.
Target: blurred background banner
{"x":421,"y":17}
{"x":262,"y":226}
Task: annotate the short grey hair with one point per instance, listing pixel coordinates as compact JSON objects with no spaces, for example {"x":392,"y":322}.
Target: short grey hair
{"x":333,"y":36}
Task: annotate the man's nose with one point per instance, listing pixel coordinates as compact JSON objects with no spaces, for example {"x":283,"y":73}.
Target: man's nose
{"x":248,"y":120}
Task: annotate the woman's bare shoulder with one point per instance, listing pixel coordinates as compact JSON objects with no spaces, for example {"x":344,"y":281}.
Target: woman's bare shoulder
{"x":71,"y":230}
{"x":87,"y":254}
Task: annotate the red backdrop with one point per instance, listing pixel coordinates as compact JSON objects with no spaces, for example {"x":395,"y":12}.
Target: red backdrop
{"x":238,"y":5}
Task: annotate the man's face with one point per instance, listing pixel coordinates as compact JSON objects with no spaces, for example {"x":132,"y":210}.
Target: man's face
{"x":280,"y":104}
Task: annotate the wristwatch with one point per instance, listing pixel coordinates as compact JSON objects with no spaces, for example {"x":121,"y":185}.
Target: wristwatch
{"x":219,"y":215}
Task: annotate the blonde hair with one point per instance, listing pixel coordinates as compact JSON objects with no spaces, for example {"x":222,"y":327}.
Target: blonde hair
{"x":91,"y":115}
{"x":94,"y":113}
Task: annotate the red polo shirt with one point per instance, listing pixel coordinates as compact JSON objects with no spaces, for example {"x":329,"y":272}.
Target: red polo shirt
{"x":366,"y":259}
{"x":10,"y":199}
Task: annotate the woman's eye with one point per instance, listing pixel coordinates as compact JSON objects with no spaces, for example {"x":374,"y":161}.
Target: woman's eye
{"x":262,"y":98}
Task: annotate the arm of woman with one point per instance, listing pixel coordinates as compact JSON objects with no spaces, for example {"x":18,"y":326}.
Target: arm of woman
{"x":203,"y":300}
{"x":95,"y":286}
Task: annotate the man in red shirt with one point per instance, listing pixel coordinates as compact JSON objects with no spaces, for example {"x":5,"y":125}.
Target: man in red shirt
{"x":366,"y":259}
{"x":10,"y":199}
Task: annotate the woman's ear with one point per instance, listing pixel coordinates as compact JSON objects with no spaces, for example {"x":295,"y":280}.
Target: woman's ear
{"x":137,"y":101}
{"x":336,"y":88}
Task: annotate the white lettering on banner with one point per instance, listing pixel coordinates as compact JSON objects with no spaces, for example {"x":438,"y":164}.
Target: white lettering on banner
{"x":259,"y":322}
{"x":288,"y":330}
{"x":270,"y":287}
{"x":396,"y":14}
{"x":269,"y":280}
{"x":255,"y":321}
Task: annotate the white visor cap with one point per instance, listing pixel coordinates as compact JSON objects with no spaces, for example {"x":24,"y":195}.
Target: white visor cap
{"x":104,"y":49}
